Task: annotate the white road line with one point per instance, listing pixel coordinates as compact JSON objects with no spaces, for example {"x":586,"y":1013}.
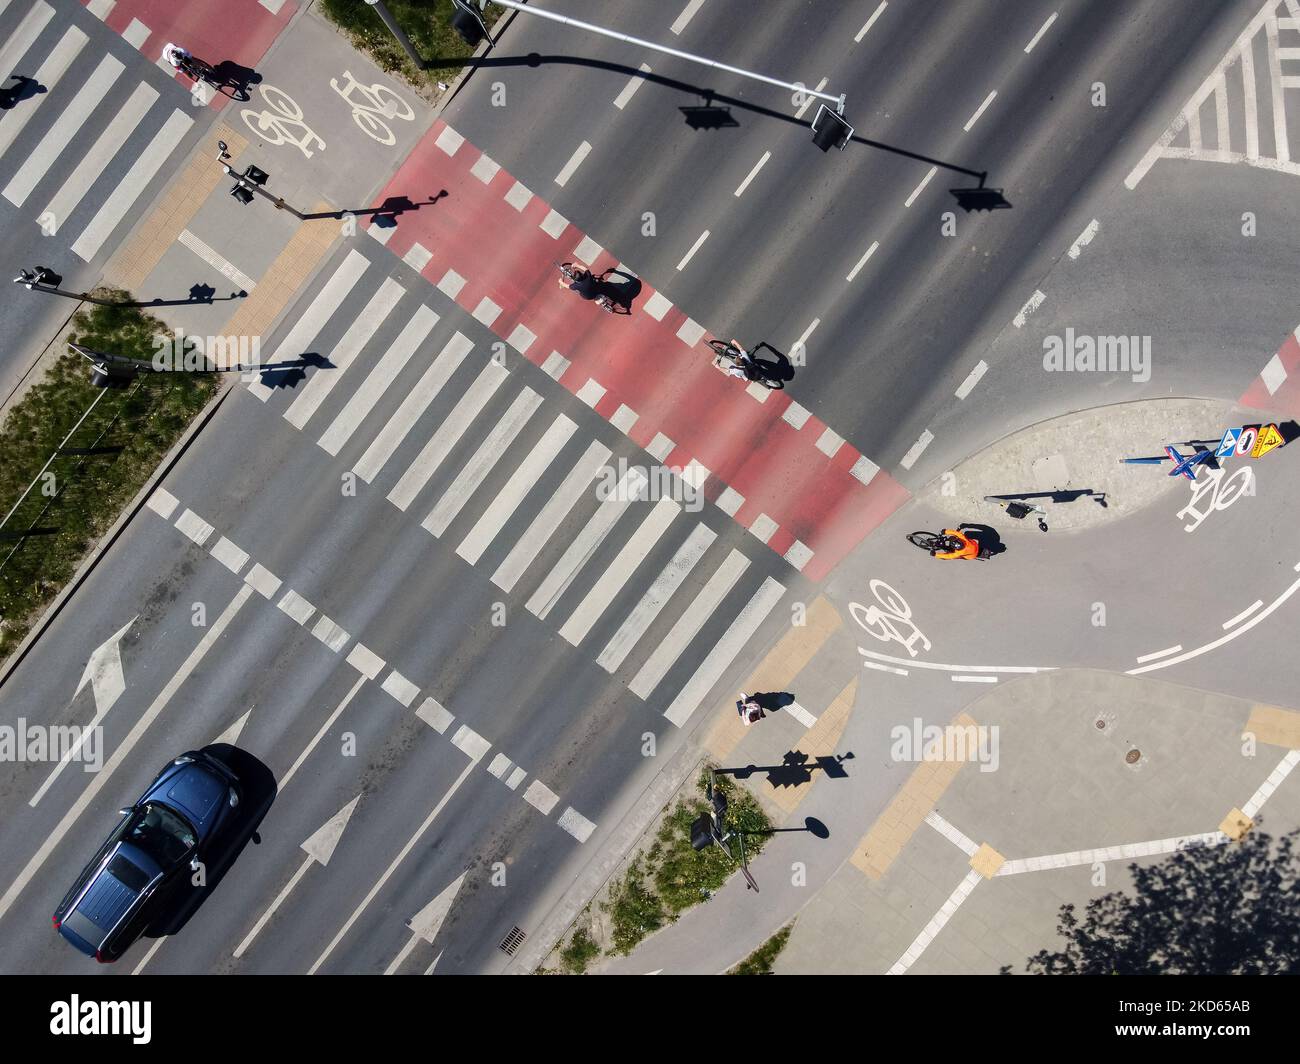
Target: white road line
{"x":633,"y":83}
{"x":484,"y":460}
{"x":953,"y":834}
{"x":957,"y":678}
{"x":916,"y":450}
{"x":757,"y":167}
{"x":863,"y":261}
{"x":448,"y":434}
{"x":541,"y":797}
{"x":1275,"y":780}
{"x":688,"y":624}
{"x":575,"y":160}
{"x":688,"y":13}
{"x":694,"y":248}
{"x":1215,"y":644}
{"x":921,"y":187}
{"x":359,"y":334}
{"x":942,"y":667}
{"x":1281,"y":148}
{"x":209,"y":255}
{"x":867,"y":26}
{"x":55,"y":66}
{"x":972,"y":378}
{"x":1243,"y":614}
{"x":363,"y":400}
{"x":1251,"y":102}
{"x":525,"y":477}
{"x":585,"y":543}
{"x":401,"y":856}
{"x":1084,"y":238}
{"x":322,"y":308}
{"x":803,"y":338}
{"x":24,"y":35}
{"x":1032,"y":304}
{"x":1160,"y":653}
{"x":1041,"y":30}
{"x":1126,"y":851}
{"x":620,"y":570}
{"x":936,"y":924}
{"x":42,"y":156}
{"x":101,"y":153}
{"x":397,"y":427}
{"x":979,"y":111}
{"x":883,"y":668}
{"x":575,"y":485}
{"x":810,"y":100}
{"x":665,"y":584}
{"x":320,"y":734}
{"x":132,"y":185}
{"x":576,"y":824}
{"x":733,"y":641}
{"x":1223,"y":136}
{"x":242,"y":948}
{"x":51,"y":839}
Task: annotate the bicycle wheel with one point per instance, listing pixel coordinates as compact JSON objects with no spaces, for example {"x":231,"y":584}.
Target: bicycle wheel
{"x":724,"y":349}
{"x":925,"y":540}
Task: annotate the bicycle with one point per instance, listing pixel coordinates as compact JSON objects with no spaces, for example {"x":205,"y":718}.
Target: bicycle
{"x":197,"y":70}
{"x":731,"y":352}
{"x":571,"y":275}
{"x":933,"y":541}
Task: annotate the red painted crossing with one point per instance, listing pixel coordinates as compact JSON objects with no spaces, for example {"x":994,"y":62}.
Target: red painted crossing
{"x":779,"y":470}
{"x":237,"y":31}
{"x":1277,"y":388}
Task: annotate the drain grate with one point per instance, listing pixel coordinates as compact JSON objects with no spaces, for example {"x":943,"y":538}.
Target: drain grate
{"x":512,"y":941}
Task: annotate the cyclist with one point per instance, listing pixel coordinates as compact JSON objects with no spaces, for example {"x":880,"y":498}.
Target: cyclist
{"x":744,"y":366}
{"x":967,"y":547}
{"x":585,"y":284}
{"x":179,"y":58}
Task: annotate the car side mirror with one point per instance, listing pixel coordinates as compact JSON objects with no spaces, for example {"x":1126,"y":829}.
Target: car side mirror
{"x":125,"y":812}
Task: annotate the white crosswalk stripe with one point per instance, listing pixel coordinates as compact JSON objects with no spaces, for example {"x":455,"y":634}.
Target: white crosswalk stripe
{"x":14,"y":121}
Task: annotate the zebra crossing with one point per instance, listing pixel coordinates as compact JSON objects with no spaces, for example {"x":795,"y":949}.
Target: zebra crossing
{"x":80,"y":196}
{"x":1246,"y":111}
{"x":472,"y":447}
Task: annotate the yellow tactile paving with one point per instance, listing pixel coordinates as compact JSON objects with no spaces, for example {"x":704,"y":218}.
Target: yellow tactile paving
{"x":918,"y":796}
{"x":987,"y":861}
{"x":286,"y":275}
{"x":819,"y":741}
{"x":775,"y":673}
{"x":1279,"y":727}
{"x":1236,"y":824}
{"x":188,"y":192}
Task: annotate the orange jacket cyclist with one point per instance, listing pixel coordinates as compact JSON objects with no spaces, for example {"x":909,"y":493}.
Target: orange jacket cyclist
{"x":969,"y":548}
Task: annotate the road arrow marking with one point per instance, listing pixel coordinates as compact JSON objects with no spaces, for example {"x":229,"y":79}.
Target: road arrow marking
{"x":429,"y":970}
{"x":426,"y":923}
{"x":320,"y":848}
{"x":231,"y":735}
{"x":104,"y":673}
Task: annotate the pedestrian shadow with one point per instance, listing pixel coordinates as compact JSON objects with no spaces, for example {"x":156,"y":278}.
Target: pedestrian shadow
{"x":289,"y":375}
{"x":13,"y":95}
{"x":622,"y":293}
{"x":234,"y":80}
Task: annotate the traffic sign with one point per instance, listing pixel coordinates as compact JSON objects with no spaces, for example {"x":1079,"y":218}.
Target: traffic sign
{"x":1269,"y":437}
{"x":1228,"y":447}
{"x":1246,"y":441}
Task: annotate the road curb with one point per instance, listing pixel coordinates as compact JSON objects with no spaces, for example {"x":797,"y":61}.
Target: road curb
{"x":106,"y":541}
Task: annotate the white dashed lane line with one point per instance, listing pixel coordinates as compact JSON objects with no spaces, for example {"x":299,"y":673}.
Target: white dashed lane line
{"x":1243,"y":614}
{"x":694,"y":248}
{"x":1032,"y":304}
{"x":1160,"y":653}
{"x":575,"y":160}
{"x":871,"y":21}
{"x":753,"y":173}
{"x":921,"y":187}
{"x":863,"y":261}
{"x":972,"y":379}
{"x":1042,"y":29}
{"x":633,"y":83}
{"x":808,"y":101}
{"x":917,"y":449}
{"x":1084,"y":238}
{"x":688,"y":13}
{"x":979,"y":111}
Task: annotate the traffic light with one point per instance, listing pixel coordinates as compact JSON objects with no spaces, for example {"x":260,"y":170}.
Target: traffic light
{"x":468,"y":23}
{"x":830,"y":130}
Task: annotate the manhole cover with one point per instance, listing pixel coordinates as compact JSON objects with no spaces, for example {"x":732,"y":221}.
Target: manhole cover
{"x":1133,"y":756}
{"x":1101,"y":725}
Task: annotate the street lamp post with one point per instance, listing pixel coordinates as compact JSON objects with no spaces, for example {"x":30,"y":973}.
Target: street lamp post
{"x":382,"y":10}
{"x":250,"y":182}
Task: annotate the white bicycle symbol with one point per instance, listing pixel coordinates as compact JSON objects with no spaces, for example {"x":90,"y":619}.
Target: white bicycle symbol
{"x":1223,"y":492}
{"x":274,"y":125}
{"x":381,"y":103}
{"x":880,"y":622}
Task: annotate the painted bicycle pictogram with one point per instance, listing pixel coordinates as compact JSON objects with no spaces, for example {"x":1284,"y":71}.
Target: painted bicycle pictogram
{"x":884,"y":621}
{"x":381,"y":105}
{"x":275,"y":125}
{"x":1223,"y":490}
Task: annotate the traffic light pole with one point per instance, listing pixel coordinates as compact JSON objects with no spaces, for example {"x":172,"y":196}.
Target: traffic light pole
{"x":251,"y":184}
{"x":382,"y":10}
{"x":34,"y":281}
{"x":838,"y":101}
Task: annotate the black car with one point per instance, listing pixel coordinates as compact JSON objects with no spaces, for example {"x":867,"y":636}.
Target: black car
{"x":165,"y":832}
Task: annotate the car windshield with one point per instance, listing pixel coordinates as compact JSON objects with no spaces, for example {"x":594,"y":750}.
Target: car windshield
{"x":166,"y":837}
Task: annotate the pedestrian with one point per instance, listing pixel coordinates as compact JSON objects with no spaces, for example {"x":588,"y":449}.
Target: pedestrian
{"x":750,"y":711}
